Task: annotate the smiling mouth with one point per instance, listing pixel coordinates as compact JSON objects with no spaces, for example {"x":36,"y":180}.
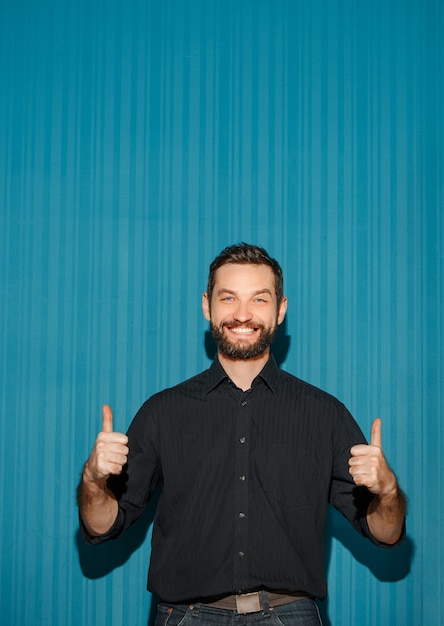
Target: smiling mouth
{"x":242,"y":330}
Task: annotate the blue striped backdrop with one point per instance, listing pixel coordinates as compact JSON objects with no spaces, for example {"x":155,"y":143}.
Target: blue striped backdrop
{"x":137,"y":139}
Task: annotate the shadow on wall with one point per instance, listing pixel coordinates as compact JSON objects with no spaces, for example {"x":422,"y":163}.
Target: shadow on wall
{"x":386,"y":565}
{"x":99,"y":560}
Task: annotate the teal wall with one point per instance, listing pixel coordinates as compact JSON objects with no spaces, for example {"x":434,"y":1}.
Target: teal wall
{"x":137,"y":139}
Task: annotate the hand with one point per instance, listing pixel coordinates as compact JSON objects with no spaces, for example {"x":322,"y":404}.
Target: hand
{"x":110,"y":451}
{"x":368,"y":466}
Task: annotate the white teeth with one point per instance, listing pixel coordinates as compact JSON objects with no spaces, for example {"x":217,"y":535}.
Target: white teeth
{"x":242,"y":331}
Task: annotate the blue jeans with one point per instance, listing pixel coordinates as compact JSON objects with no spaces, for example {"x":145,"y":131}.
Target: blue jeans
{"x":299,"y":613}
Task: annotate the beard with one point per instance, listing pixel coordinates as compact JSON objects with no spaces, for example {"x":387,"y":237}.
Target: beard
{"x":238,"y":349}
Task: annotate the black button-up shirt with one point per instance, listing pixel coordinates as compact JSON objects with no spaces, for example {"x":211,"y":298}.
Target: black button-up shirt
{"x":246,"y":478}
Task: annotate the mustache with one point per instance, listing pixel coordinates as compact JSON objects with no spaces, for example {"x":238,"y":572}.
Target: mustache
{"x":237,"y":324}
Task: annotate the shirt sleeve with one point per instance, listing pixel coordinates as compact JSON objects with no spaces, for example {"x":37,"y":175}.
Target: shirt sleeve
{"x":139,"y":478}
{"x":349,"y":499}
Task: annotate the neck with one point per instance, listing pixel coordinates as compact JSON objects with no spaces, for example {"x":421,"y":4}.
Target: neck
{"x":243,"y":372}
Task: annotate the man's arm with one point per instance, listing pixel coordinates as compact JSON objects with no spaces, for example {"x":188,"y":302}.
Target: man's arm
{"x":385,"y":516}
{"x":98,"y":506}
{"x":387,"y":510}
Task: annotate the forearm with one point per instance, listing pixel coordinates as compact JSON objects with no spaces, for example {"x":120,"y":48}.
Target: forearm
{"x":97,"y":505}
{"x":385,"y":516}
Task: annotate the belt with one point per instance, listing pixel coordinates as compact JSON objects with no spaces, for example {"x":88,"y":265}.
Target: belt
{"x":253,"y":602}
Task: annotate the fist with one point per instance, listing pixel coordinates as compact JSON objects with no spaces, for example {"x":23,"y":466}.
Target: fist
{"x":368,"y":467}
{"x":110,"y":452}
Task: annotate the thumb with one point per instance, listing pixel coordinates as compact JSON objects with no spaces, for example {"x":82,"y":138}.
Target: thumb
{"x":107,"y":419}
{"x":376,"y":439}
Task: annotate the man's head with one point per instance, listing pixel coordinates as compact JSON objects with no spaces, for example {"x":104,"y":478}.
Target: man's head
{"x":244,"y":301}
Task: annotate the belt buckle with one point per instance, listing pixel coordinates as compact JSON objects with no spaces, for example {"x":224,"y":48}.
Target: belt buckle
{"x":248,"y":603}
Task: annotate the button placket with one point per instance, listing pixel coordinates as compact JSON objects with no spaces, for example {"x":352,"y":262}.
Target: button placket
{"x":241,"y":493}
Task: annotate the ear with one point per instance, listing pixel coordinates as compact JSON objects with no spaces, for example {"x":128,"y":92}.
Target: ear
{"x":282,"y":310}
{"x":206,"y":306}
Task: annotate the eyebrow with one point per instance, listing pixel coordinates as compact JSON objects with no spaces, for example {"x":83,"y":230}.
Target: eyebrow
{"x":254,"y":293}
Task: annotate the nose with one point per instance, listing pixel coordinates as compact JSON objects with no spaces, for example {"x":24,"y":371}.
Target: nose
{"x":242,"y":312}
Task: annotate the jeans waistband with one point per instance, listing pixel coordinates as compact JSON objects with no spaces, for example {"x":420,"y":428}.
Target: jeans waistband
{"x":253,"y":602}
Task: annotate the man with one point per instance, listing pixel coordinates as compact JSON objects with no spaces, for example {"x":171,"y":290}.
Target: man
{"x":248,"y":457}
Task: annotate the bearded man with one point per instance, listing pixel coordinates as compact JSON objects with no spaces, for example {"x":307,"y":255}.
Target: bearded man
{"x":248,"y":458}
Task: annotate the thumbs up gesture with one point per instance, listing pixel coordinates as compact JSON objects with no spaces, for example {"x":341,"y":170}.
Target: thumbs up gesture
{"x":368,"y":465}
{"x":110,"y":451}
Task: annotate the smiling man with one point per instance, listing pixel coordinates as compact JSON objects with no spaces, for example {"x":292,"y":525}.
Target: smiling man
{"x":244,"y":309}
{"x":248,"y":457}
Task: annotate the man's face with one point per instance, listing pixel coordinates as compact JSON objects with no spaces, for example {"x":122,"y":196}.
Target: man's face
{"x":243,"y":312}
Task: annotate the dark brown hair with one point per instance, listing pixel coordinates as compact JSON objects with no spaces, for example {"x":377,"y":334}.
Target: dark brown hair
{"x":244,"y":253}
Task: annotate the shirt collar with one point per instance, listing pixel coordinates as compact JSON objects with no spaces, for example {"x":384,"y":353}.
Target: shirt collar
{"x":270,"y":374}
{"x":216,"y":374}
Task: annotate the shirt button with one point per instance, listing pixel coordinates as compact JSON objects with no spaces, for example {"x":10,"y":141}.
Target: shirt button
{"x":241,"y":554}
{"x":242,"y":477}
{"x":242,"y":440}
{"x":244,"y":403}
{"x":241,"y":515}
